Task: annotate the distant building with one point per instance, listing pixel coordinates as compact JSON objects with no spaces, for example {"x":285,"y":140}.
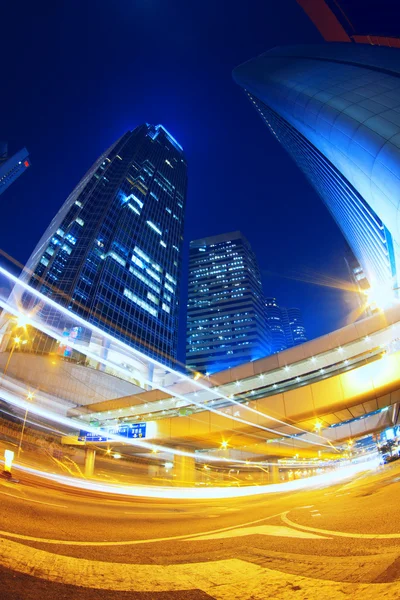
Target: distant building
{"x":294,"y":326}
{"x":226,"y":323}
{"x":286,"y":325}
{"x":12,"y":167}
{"x":112,"y":253}
{"x":275,"y":322}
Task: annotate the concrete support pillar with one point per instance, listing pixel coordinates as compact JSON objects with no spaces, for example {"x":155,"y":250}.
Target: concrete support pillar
{"x":90,"y":456}
{"x":184,"y":468}
{"x":273,"y":470}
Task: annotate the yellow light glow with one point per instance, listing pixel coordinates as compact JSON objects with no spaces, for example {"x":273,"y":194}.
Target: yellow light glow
{"x":30,"y":395}
{"x":224,"y":445}
{"x":317,"y":426}
{"x":379,"y":297}
{"x":8,"y":459}
{"x":17,"y":340}
{"x":22,"y":321}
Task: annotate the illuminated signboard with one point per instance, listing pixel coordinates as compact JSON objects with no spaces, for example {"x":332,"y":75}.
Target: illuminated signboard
{"x":131,"y":431}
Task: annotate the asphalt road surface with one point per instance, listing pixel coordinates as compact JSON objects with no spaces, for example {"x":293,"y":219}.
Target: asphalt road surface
{"x":341,"y":541}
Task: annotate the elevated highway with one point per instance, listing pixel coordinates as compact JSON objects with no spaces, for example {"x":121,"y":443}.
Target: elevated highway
{"x":266,"y":408}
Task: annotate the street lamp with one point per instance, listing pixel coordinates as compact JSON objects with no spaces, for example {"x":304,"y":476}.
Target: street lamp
{"x":30,"y":397}
{"x":318,"y":426}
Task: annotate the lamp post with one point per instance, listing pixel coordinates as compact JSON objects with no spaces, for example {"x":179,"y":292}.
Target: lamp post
{"x":21,"y":323}
{"x":30,"y":396}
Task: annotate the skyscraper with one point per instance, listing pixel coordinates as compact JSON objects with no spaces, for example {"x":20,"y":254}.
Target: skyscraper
{"x":226,"y":323}
{"x":335,"y":108}
{"x":293,"y":325}
{"x":112,"y":253}
{"x":286,"y":325}
{"x":12,"y":167}
{"x":276,"y":325}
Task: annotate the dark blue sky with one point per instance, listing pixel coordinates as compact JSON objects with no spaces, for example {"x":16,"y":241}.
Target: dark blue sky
{"x":77,"y":74}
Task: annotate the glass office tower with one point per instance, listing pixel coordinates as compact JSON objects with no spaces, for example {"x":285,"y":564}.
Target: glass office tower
{"x":226,"y":323}
{"x":335,"y":108}
{"x":286,"y":325}
{"x":276,"y":326}
{"x":112,"y":253}
{"x":293,"y":325}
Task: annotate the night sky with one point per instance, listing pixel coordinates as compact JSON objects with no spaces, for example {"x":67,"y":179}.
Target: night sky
{"x":79,"y":73}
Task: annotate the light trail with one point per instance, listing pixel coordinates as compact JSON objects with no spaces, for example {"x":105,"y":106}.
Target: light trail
{"x":34,"y":408}
{"x":179,"y":493}
{"x":84,"y":350}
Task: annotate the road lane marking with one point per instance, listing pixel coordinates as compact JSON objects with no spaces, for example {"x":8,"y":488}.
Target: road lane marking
{"x":328,"y":532}
{"x":220,"y":579}
{"x":193,"y":537}
{"x":272,"y":530}
{"x":36,"y":501}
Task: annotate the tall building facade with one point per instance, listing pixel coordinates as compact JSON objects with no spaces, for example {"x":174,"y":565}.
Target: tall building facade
{"x":226,"y":323}
{"x":275,"y":322}
{"x":12,"y":167}
{"x":293,"y":325}
{"x":112,"y":253}
{"x":335,"y":108}
{"x":286,"y":325}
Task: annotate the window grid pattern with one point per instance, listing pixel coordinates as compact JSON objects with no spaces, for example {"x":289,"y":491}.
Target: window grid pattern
{"x":226,"y":323}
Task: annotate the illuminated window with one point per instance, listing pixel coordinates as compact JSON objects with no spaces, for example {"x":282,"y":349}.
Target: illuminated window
{"x":80,"y":222}
{"x":117,"y":258}
{"x":140,"y":302}
{"x":133,"y":208}
{"x":145,"y":279}
{"x":152,"y":297}
{"x":153,"y":275}
{"x":137,"y":261}
{"x":140,"y":253}
{"x":154,"y":227}
{"x":70,"y":238}
{"x":166,"y":308}
{"x":170,"y":278}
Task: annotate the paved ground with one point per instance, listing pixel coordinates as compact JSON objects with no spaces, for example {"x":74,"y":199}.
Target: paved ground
{"x":326,"y":543}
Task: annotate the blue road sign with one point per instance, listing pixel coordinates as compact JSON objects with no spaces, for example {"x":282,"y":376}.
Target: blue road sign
{"x":131,"y":430}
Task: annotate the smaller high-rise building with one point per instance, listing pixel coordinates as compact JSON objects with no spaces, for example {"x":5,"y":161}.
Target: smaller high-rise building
{"x":226,"y":323}
{"x":286,"y":325}
{"x":275,"y":322}
{"x":293,"y":325}
{"x":12,"y":167}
